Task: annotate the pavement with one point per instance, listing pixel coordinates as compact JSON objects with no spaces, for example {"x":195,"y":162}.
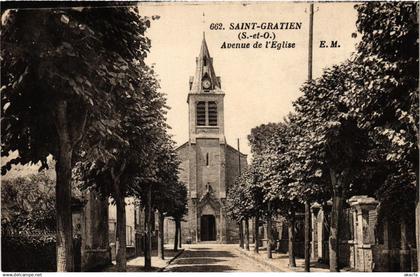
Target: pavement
{"x":280,"y":261}
{"x":137,"y":264}
{"x":219,"y":258}
{"x":213,"y":258}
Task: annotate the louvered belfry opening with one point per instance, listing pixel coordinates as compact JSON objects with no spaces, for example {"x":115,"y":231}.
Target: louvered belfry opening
{"x":201,"y":113}
{"x":212,"y":109}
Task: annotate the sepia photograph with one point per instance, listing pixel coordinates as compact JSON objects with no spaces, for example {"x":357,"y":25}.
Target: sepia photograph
{"x":209,"y":136}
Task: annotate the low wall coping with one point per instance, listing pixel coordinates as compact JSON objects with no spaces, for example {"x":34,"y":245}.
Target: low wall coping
{"x":362,"y":200}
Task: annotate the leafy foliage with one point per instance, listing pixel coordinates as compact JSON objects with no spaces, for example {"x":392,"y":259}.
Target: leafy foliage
{"x":241,"y":201}
{"x":72,"y":55}
{"x":169,"y":195}
{"x":72,"y":78}
{"x":385,"y":97}
{"x":178,"y":209}
{"x":28,"y":223}
{"x":357,"y":123}
{"x":28,"y":205}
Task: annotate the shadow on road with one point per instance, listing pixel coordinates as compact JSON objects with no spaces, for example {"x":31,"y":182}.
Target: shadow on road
{"x":200,"y":260}
{"x":202,"y":268}
{"x":191,"y":261}
{"x":223,"y":254}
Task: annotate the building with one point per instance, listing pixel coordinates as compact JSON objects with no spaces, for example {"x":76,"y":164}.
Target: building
{"x":209,"y":165}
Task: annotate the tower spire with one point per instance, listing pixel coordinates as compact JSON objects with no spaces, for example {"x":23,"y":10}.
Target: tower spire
{"x":204,"y":71}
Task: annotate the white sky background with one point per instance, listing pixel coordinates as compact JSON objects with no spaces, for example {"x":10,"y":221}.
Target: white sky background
{"x":260,"y":84}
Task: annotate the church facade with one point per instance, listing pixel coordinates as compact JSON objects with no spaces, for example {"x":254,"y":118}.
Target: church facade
{"x":209,"y":165}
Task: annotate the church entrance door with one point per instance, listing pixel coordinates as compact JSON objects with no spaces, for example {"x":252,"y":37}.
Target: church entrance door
{"x":208,"y":227}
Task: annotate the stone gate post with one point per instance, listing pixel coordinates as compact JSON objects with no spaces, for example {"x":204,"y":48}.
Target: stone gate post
{"x":314,"y":228}
{"x":364,"y":238}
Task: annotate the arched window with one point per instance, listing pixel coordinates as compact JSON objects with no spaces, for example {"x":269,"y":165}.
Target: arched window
{"x":201,"y":113}
{"x":212,"y":109}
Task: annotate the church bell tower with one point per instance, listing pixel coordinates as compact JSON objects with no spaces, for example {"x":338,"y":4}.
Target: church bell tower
{"x":209,"y":165}
{"x":205,"y":100}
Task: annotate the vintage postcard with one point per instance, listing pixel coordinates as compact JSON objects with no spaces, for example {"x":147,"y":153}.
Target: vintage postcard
{"x":210,"y":137}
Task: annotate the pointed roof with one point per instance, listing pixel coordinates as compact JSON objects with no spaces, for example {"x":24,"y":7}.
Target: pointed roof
{"x":204,"y":69}
{"x":204,"y":50}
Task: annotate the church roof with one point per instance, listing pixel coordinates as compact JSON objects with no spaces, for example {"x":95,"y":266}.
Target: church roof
{"x":204,"y":70}
{"x":229,"y":147}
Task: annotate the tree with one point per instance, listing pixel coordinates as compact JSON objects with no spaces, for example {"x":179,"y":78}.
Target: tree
{"x":387,"y":58}
{"x":244,"y":200}
{"x":277,"y":179}
{"x":365,"y":112}
{"x":167,"y":193}
{"x":178,"y":211}
{"x":120,"y":168}
{"x":266,"y":137}
{"x":339,"y":141}
{"x":165,"y":199}
{"x":60,"y":70}
{"x":307,"y":170}
{"x":257,"y":140}
{"x":236,"y":208}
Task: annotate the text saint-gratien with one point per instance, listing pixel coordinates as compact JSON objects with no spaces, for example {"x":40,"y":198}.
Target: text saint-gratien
{"x":265,"y":26}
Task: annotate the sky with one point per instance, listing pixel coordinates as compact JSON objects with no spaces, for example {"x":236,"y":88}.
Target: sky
{"x":259,"y":84}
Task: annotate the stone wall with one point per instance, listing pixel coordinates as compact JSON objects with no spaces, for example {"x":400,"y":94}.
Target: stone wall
{"x":208,"y":174}
{"x":208,"y":168}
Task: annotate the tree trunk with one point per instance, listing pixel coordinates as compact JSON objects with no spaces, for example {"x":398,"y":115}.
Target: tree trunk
{"x":256,"y":235}
{"x":418,"y":228}
{"x":269,"y":236}
{"x":418,"y":217}
{"x":246,"y":234}
{"x":161,"y":248}
{"x":241,"y":234}
{"x":118,"y":195}
{"x":307,"y":236}
{"x":176,"y":235}
{"x":336,"y":213}
{"x":291,"y":229}
{"x":404,"y":248}
{"x":121,"y":246}
{"x":179,"y":235}
{"x":148,"y":233}
{"x":64,"y":248}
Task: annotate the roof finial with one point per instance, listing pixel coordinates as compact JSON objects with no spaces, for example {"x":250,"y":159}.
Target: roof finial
{"x":204,"y":26}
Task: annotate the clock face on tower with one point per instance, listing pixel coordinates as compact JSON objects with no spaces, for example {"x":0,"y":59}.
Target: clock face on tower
{"x":206,"y":83}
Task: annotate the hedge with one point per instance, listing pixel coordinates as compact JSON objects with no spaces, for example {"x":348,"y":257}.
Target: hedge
{"x":27,"y":254}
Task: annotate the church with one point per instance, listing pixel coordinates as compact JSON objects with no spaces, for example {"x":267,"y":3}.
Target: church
{"x":209,"y":166}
